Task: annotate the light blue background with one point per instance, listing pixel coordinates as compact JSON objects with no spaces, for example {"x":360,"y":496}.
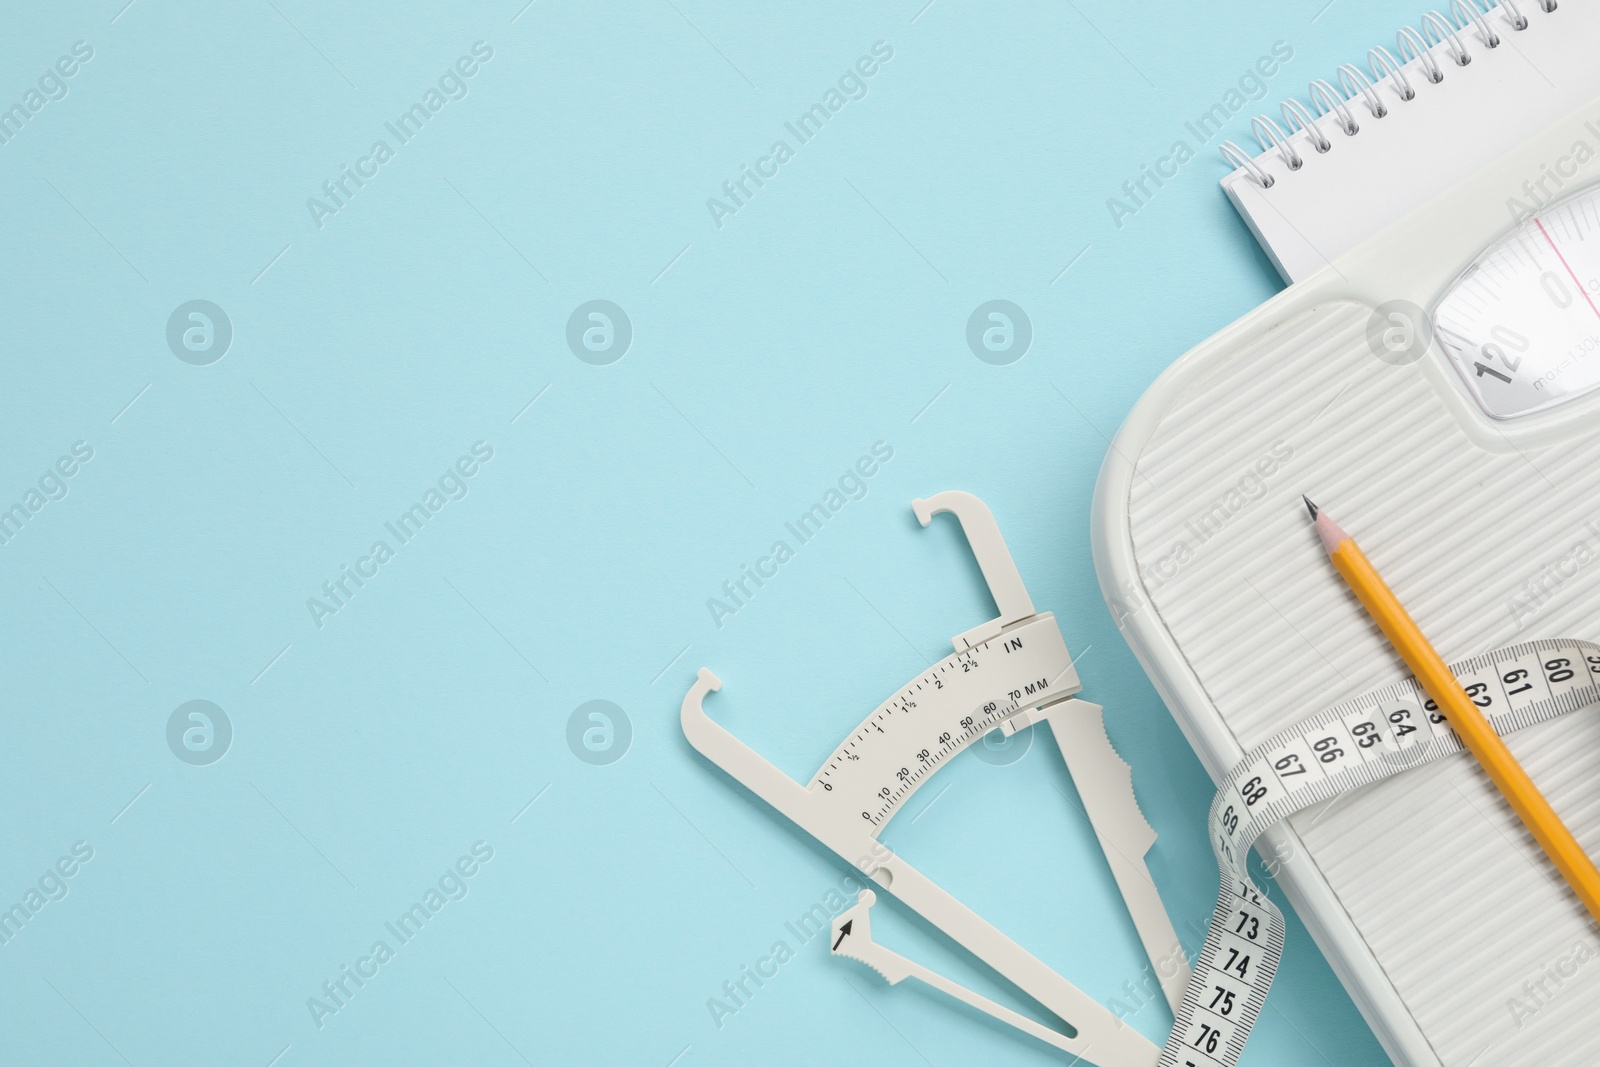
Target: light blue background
{"x":827,"y":314}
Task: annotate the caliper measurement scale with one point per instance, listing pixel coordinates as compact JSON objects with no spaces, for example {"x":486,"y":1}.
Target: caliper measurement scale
{"x":1007,"y":673}
{"x":911,"y":734}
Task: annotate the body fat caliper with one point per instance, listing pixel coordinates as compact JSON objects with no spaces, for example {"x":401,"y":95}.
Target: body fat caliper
{"x":1007,"y":674}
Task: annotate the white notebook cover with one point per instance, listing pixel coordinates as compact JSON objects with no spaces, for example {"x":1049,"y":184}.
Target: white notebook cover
{"x":1371,"y":179}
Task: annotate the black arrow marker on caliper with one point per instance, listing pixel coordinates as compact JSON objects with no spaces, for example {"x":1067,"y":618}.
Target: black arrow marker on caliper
{"x":844,"y":932}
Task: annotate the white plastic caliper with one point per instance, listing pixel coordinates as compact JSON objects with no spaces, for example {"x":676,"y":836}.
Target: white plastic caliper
{"x":1009,"y":673}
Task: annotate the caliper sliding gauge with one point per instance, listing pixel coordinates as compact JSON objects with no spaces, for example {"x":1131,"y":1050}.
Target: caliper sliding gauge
{"x":1007,"y":674}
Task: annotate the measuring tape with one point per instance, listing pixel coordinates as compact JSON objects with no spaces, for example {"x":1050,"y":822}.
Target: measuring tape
{"x":1348,"y":746}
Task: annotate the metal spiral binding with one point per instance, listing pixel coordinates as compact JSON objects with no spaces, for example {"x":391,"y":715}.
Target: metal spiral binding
{"x":1465,"y":22}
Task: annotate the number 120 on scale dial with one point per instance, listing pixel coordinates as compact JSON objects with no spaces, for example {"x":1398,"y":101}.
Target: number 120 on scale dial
{"x":1522,"y":324}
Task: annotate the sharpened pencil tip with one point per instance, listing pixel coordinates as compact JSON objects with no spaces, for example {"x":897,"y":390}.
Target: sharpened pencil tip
{"x":1309,"y":505}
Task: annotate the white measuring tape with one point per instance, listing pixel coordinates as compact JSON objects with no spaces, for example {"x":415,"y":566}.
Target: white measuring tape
{"x":1348,"y":746}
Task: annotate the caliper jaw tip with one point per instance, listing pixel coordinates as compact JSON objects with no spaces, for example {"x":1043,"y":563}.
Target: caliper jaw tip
{"x":693,"y":707}
{"x":994,"y":560}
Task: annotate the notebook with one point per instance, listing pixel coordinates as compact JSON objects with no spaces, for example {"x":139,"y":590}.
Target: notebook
{"x":1307,"y":215}
{"x":1440,"y":915}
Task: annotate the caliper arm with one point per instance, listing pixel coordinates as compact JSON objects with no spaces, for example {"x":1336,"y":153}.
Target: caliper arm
{"x":852,"y":939}
{"x":1105,"y":784}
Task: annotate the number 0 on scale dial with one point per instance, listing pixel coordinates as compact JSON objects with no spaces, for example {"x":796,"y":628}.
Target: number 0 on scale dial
{"x":1522,"y":324}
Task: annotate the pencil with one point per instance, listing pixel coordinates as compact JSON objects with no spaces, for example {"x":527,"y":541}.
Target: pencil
{"x":1463,"y":715}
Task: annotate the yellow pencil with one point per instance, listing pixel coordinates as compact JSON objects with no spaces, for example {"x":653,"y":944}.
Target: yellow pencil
{"x":1464,"y":717}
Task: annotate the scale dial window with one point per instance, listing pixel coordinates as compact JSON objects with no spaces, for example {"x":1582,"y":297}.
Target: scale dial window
{"x":1522,"y":324}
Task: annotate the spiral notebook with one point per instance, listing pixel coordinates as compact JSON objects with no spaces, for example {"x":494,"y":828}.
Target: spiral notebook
{"x":1380,"y":138}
